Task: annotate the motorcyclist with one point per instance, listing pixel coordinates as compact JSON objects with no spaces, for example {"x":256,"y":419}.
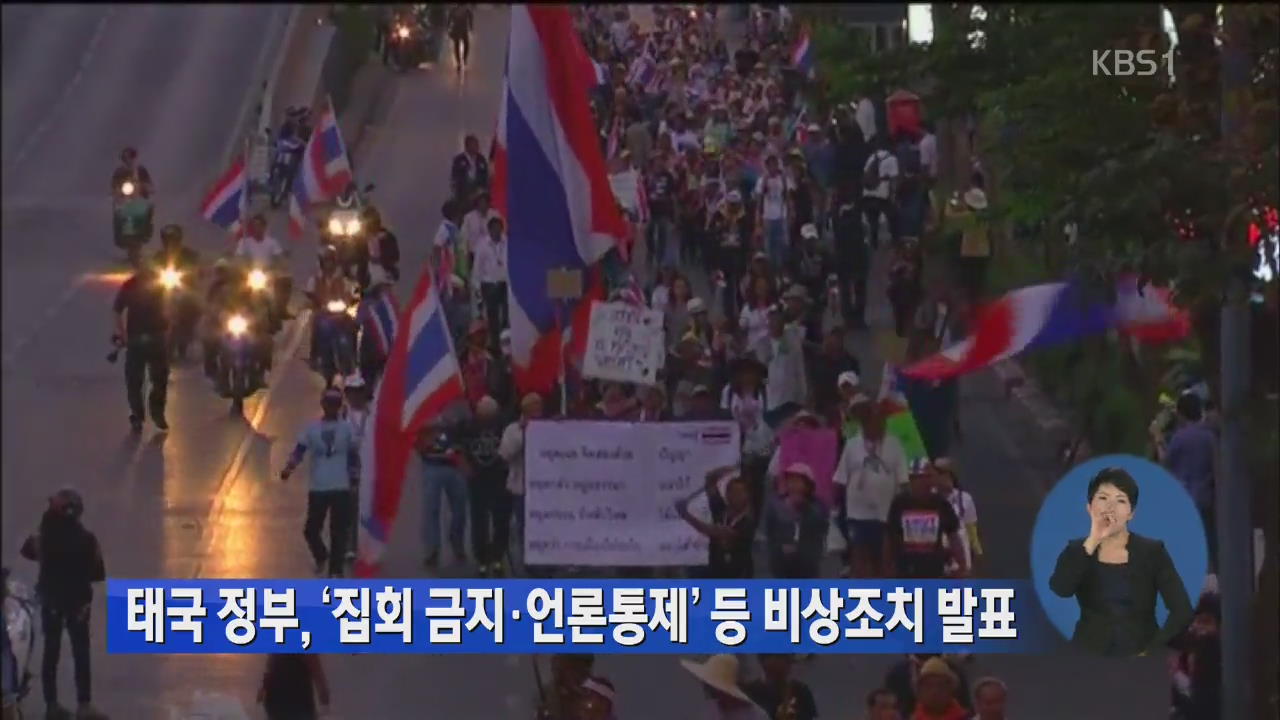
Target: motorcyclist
{"x":260,"y":250}
{"x":141,"y":327}
{"x":382,"y":246}
{"x":328,"y":283}
{"x":130,"y":170}
{"x":470,"y":172}
{"x":229,"y":295}
{"x":174,"y":256}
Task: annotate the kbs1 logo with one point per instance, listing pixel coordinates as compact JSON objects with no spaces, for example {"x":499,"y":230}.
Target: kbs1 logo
{"x":1128,"y":63}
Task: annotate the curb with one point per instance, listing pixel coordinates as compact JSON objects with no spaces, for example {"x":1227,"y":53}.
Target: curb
{"x":369,"y":91}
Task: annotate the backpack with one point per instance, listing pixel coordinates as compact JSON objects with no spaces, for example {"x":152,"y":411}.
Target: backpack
{"x":871,"y":173}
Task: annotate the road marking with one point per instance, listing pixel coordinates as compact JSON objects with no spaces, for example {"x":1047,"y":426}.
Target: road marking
{"x":209,"y":526}
{"x":53,"y":113}
{"x":45,"y":320}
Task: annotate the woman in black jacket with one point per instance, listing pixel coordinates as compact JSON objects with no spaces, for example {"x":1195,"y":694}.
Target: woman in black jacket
{"x":1115,"y":574}
{"x":70,"y":562}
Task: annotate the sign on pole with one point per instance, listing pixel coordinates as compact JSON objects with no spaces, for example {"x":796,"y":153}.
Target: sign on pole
{"x":603,"y":493}
{"x":625,"y":344}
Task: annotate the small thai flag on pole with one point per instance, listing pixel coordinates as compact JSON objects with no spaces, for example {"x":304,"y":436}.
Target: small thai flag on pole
{"x":802,"y":54}
{"x":226,"y":203}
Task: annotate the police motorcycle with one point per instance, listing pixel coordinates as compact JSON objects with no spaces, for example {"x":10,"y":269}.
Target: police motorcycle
{"x":290,"y":141}
{"x":20,"y":612}
{"x":345,"y":232}
{"x":334,"y":328}
{"x":131,"y":218}
{"x":408,"y":38}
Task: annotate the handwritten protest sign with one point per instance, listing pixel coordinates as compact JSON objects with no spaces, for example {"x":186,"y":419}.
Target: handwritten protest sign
{"x":604,"y":493}
{"x":625,"y":344}
{"x":815,"y":448}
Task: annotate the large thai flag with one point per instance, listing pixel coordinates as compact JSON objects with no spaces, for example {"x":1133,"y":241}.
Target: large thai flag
{"x":421,"y":380}
{"x":226,"y":201}
{"x":1052,"y":314}
{"x":550,"y":185}
{"x":802,"y":54}
{"x":378,"y":317}
{"x":325,"y":170}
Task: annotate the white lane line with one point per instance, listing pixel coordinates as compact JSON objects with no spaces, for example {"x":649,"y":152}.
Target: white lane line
{"x":209,"y":527}
{"x":34,"y":138}
{"x":45,"y":319}
{"x":257,"y":77}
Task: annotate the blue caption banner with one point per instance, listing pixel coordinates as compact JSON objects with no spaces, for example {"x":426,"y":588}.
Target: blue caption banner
{"x":541,"y":616}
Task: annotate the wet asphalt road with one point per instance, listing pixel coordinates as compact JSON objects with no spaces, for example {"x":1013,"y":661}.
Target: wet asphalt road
{"x":79,"y":83}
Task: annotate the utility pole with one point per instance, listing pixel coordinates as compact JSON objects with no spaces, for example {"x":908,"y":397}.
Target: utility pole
{"x":1234,"y":486}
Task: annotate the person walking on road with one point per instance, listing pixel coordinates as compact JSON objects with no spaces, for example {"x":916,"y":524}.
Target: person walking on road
{"x":335,"y":470}
{"x":490,"y":501}
{"x":445,"y":469}
{"x":879,"y":183}
{"x":142,"y":329}
{"x":291,"y":684}
{"x":871,"y":469}
{"x":70,"y":562}
{"x":461,"y":23}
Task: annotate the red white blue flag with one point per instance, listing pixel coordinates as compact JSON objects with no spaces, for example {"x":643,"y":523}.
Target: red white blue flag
{"x":550,"y":185}
{"x":378,"y":317}
{"x":325,"y":171}
{"x":802,"y":54}
{"x":421,"y":380}
{"x":1053,"y":314}
{"x":225,"y":203}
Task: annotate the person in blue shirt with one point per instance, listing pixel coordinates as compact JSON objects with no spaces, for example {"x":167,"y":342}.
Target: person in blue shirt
{"x":335,"y":469}
{"x":1190,"y":458}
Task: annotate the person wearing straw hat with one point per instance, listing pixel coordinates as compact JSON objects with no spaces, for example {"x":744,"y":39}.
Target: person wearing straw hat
{"x":732,"y":529}
{"x":923,"y":530}
{"x":719,"y":678}
{"x":936,"y":688}
{"x":965,"y":213}
{"x":795,"y":526}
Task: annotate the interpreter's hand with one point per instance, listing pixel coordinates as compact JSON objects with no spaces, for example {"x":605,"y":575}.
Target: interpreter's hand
{"x":1102,"y":525}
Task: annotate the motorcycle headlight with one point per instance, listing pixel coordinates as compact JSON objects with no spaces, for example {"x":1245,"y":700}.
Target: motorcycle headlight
{"x":335,"y":226}
{"x":126,"y":188}
{"x":351,"y":310}
{"x":257,"y":280}
{"x":353,"y":226}
{"x":336,"y":306}
{"x":170,"y":278}
{"x":402,"y":31}
{"x":237,"y":325}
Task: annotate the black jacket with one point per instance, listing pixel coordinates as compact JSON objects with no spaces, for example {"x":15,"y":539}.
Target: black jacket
{"x":69,"y":565}
{"x":1150,"y":570}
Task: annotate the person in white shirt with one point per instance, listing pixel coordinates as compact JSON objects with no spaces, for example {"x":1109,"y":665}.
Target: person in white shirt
{"x":475,"y":224}
{"x":864,"y":112}
{"x":774,"y":197}
{"x":880,"y":176}
{"x":782,"y":352}
{"x":490,"y":275}
{"x":872,"y":470}
{"x":356,"y":413}
{"x":262,"y":251}
{"x":511,"y":448}
{"x":928,"y":147}
{"x":966,"y":511}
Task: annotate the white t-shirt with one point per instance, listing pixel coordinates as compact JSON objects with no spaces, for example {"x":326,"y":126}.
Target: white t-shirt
{"x":491,"y":262}
{"x":865,"y":115}
{"x":660,"y":299}
{"x":475,"y":227}
{"x":929,"y":154}
{"x":685,"y":140}
{"x":871,"y":476}
{"x":755,"y":322}
{"x":962,"y":503}
{"x":259,"y":252}
{"x":772,"y":191}
{"x":888,"y":169}
{"x":620,"y":31}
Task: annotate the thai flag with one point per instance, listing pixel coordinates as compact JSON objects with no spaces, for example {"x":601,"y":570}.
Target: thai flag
{"x":643,"y":73}
{"x":421,"y":380}
{"x":378,"y":319}
{"x":324,"y":173}
{"x":1053,"y":314}
{"x":614,"y":141}
{"x":225,"y":203}
{"x":642,"y":202}
{"x":565,"y":215}
{"x":802,"y":54}
{"x":601,"y":73}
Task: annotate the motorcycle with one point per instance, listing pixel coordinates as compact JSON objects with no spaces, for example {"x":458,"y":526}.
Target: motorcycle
{"x":408,"y":44}
{"x":272,"y":291}
{"x":183,"y":308}
{"x":20,"y":612}
{"x":240,"y":367}
{"x":335,"y":328}
{"x":344,"y":231}
{"x":132,"y":215}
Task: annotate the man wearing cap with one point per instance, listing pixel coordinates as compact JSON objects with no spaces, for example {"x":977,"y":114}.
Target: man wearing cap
{"x":795,"y":525}
{"x":936,"y":689}
{"x":923,"y":530}
{"x":872,"y":468}
{"x":726,"y":699}
{"x":702,"y":406}
{"x":335,"y":470}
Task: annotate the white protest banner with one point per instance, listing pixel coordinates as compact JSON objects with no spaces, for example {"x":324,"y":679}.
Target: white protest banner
{"x":625,"y":343}
{"x":603,"y":493}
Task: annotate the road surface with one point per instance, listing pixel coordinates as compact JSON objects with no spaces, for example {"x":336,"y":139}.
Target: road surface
{"x":204,"y":500}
